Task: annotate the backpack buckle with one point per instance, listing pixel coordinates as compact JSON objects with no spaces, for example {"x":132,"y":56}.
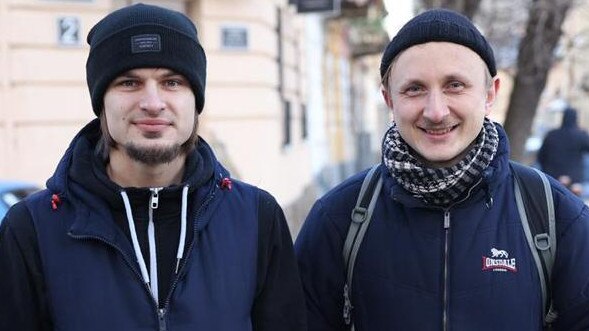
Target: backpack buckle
{"x":359,"y":214}
{"x":542,"y":241}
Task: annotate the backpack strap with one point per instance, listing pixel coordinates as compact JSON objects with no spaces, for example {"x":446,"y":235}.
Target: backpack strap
{"x":361,"y":216}
{"x":533,"y":195}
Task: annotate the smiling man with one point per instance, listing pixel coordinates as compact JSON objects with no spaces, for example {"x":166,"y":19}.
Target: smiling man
{"x":447,"y":203}
{"x":140,"y":227}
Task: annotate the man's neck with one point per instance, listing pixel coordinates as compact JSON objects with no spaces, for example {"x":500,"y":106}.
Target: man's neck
{"x":127,"y":172}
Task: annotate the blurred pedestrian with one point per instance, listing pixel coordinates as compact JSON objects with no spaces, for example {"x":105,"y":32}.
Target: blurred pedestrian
{"x":447,"y":200}
{"x":562,"y":152}
{"x":141,"y":227}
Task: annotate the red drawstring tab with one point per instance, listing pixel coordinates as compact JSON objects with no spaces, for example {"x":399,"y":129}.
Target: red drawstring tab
{"x":55,"y":201}
{"x":226,"y":183}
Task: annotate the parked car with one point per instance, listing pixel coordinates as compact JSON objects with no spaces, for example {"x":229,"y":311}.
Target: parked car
{"x":12,"y":192}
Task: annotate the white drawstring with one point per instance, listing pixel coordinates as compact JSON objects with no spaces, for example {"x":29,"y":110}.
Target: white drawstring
{"x":153,"y":284}
{"x":182,"y":241}
{"x":136,"y":247}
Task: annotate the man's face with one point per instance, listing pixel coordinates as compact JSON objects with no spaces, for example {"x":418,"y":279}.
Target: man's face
{"x":439,"y":95}
{"x":150,"y":113}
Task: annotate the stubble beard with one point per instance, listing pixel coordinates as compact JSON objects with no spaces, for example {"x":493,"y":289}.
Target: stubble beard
{"x":153,"y":155}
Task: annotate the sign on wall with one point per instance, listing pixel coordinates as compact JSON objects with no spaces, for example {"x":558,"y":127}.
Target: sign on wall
{"x":313,"y":6}
{"x":68,"y":31}
{"x":234,"y":37}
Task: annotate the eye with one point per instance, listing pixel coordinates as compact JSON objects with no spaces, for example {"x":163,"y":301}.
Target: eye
{"x":173,"y":83}
{"x":127,"y":83}
{"x":413,"y":90}
{"x":455,"y":86}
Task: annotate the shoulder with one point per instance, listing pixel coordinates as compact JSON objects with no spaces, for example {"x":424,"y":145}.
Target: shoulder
{"x":236,"y":185}
{"x":332,"y":212}
{"x":344,"y":194}
{"x":568,"y":207}
{"x":18,"y":227}
{"x":265,"y":200}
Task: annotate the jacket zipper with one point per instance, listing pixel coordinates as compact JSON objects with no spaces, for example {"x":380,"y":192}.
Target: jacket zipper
{"x":161,"y":313}
{"x":446,"y":294}
{"x":153,"y":205}
{"x":155,"y":197}
{"x":194,"y":239}
{"x":446,"y":258}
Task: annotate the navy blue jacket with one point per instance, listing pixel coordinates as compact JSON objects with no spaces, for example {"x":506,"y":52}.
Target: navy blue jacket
{"x":71,"y":266}
{"x":563,"y":149}
{"x":423,"y":268}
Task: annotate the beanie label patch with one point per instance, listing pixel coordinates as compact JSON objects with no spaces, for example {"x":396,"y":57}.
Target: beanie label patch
{"x":146,"y":43}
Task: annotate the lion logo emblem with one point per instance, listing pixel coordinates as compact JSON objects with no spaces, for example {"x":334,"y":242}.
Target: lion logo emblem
{"x":499,"y":253}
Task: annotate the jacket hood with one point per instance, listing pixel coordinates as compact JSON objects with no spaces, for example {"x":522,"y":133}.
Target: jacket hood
{"x":82,"y":165}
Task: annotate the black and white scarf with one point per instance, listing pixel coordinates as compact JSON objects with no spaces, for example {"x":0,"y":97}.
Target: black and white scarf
{"x":438,"y":186}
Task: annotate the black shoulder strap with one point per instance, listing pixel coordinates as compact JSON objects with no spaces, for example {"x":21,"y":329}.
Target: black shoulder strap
{"x":536,"y":208}
{"x":361,"y":216}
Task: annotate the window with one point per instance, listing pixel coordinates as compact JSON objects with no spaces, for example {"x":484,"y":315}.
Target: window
{"x":304,"y":124}
{"x":286,"y":124}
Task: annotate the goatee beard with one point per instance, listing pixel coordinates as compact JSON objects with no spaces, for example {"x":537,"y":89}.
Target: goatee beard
{"x":153,"y":155}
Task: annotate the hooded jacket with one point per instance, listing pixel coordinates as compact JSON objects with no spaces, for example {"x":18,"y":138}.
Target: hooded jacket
{"x":68,"y":260}
{"x":563,"y":149}
{"x":465,"y":267}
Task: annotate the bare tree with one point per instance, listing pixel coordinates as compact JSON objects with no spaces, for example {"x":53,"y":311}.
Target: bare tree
{"x":534,"y":54}
{"x":535,"y":58}
{"x":503,"y":22}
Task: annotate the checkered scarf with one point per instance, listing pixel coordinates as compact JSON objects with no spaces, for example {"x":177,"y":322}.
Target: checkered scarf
{"x":438,"y":186}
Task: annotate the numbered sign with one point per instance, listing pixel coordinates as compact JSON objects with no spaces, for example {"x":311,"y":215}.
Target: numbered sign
{"x":234,"y":37}
{"x":68,"y":31}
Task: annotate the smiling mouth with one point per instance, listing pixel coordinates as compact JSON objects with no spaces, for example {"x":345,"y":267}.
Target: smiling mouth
{"x":439,"y":131}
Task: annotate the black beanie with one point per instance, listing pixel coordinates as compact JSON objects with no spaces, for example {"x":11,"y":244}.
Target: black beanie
{"x":439,"y":25}
{"x":144,"y":36}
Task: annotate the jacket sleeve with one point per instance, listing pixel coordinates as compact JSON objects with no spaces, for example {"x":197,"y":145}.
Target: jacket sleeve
{"x":22,"y":289}
{"x":319,"y":252}
{"x":279,"y":302}
{"x":571,"y":271}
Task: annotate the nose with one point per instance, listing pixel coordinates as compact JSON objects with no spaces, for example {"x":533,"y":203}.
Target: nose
{"x":151,"y":100}
{"x":436,"y":108}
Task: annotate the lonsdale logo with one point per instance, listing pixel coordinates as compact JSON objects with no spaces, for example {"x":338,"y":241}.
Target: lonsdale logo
{"x":499,"y":261}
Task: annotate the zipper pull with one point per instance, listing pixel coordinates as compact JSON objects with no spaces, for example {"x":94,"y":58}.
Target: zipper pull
{"x":154,"y":200}
{"x":162,"y":319}
{"x":446,"y":219}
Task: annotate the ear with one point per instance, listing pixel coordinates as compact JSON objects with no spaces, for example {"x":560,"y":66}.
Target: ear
{"x":387,"y":96}
{"x":492,"y":92}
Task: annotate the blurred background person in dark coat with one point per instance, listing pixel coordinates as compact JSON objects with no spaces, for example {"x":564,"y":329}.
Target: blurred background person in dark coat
{"x":561,"y":154}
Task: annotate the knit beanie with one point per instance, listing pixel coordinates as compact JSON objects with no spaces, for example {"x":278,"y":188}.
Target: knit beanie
{"x":144,"y":36}
{"x":438,"y":25}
